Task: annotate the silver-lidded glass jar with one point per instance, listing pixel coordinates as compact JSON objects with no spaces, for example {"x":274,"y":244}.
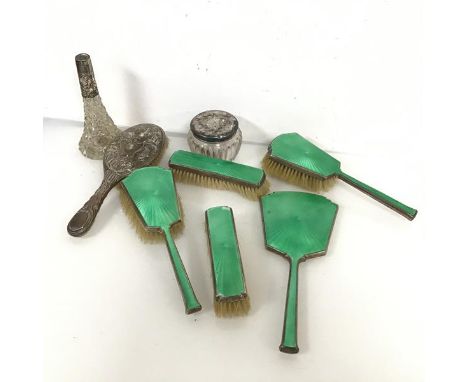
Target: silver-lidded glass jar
{"x":215,"y":133}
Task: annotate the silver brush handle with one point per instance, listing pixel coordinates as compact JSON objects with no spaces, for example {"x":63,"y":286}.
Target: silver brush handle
{"x":82,"y":221}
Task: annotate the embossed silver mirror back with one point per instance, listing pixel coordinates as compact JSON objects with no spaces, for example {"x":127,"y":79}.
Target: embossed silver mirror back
{"x":215,"y":133}
{"x":138,"y":146}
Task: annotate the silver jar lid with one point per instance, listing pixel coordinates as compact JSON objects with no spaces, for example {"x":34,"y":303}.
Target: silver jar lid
{"x":214,"y":126}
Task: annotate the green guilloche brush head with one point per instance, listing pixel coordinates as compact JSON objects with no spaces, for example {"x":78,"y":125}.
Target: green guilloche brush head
{"x":296,"y":160}
{"x":140,"y":213}
{"x":145,"y":233}
{"x":220,"y":174}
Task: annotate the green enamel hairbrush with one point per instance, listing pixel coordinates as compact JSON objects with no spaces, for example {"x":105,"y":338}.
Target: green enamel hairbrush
{"x":151,"y":193}
{"x":230,"y":292}
{"x":220,"y":174}
{"x":295,"y":159}
{"x":297,"y":225}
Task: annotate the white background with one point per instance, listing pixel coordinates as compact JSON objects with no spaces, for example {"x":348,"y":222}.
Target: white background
{"x":344,"y":73}
{"x":380,"y":84}
{"x":348,"y":73}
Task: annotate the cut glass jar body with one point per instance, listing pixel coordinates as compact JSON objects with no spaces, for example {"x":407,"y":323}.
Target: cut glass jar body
{"x":216,"y":134}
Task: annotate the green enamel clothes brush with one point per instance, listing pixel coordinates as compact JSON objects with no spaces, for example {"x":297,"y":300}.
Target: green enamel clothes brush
{"x":230,"y":292}
{"x":217,"y":173}
{"x":150,"y":191}
{"x":295,"y":159}
{"x":298,"y":226}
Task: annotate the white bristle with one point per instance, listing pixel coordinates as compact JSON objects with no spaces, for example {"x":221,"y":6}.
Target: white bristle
{"x":309,"y":181}
{"x":187,"y":176}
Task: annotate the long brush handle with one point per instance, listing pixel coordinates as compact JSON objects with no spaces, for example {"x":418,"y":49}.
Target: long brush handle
{"x":190,"y":300}
{"x":82,"y":221}
{"x":402,"y":209}
{"x":289,"y":340}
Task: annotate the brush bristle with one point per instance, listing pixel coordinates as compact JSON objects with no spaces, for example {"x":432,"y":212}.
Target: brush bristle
{"x":146,"y":234}
{"x":250,"y":192}
{"x":230,"y":308}
{"x":309,"y":181}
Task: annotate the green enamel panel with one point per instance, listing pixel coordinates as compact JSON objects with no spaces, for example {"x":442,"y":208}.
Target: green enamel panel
{"x":298,"y":151}
{"x":225,"y":256}
{"x":217,"y":167}
{"x":298,"y":225}
{"x":153,"y":193}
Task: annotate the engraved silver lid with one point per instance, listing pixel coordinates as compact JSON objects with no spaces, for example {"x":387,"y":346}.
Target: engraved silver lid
{"x":214,"y":126}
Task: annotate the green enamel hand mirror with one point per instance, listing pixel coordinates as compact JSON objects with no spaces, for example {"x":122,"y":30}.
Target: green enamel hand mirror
{"x":297,"y":225}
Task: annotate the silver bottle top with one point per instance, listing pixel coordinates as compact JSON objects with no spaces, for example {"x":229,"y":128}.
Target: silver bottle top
{"x":214,"y":126}
{"x":85,"y":71}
